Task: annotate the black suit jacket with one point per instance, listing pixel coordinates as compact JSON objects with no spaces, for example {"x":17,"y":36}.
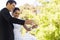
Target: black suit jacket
{"x":6,"y":25}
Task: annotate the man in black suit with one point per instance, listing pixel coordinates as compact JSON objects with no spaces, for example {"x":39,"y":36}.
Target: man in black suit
{"x":6,"y":22}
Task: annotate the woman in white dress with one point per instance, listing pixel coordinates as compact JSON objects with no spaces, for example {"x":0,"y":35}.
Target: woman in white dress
{"x":17,"y":28}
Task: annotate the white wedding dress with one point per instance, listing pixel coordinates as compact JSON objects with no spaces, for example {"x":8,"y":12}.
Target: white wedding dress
{"x":28,"y":36}
{"x":17,"y":32}
{"x":18,"y":35}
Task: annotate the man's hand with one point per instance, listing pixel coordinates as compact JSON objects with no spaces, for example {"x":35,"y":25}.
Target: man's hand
{"x":28,"y":21}
{"x":34,"y":26}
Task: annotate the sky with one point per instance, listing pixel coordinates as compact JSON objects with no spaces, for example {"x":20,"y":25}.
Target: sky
{"x":19,"y":3}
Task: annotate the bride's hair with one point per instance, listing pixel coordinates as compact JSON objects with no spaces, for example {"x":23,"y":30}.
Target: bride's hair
{"x":16,"y":8}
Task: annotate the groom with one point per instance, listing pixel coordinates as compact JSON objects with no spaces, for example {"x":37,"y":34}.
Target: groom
{"x":6,"y":22}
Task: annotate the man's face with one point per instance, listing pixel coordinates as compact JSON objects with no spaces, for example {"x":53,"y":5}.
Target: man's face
{"x":12,"y":6}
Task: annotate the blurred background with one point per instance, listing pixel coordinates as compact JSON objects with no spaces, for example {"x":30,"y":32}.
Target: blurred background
{"x":45,"y":13}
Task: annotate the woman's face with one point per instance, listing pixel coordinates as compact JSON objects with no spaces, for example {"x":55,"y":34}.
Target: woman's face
{"x":16,"y":13}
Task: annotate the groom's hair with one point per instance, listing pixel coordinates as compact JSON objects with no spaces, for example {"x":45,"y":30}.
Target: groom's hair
{"x":16,"y":8}
{"x":11,"y":1}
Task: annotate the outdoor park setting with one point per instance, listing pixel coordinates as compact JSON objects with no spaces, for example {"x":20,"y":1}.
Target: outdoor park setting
{"x":44,"y":13}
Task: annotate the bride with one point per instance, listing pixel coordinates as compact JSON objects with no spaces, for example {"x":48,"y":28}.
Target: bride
{"x":17,"y":27}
